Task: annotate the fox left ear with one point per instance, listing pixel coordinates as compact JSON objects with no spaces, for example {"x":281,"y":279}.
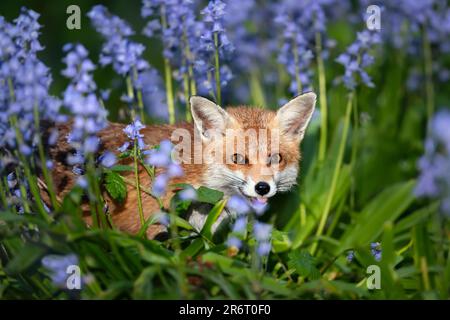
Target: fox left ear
{"x":208,"y":117}
{"x":294,"y":116}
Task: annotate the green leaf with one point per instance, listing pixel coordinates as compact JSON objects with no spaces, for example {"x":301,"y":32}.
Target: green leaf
{"x":208,"y":195}
{"x":121,"y":167}
{"x":212,"y":217}
{"x":115,"y":186}
{"x":304,"y":264}
{"x":280,"y":241}
{"x":369,"y":224}
{"x":27,"y":256}
{"x":193,"y":248}
{"x":143,"y":286}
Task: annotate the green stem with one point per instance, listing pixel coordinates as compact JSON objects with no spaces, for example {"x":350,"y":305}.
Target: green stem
{"x":138,"y":184}
{"x":297,"y":68}
{"x":192,"y":81}
{"x":186,"y":96}
{"x":428,"y":66}
{"x":31,"y":178}
{"x":217,"y":68}
{"x":168,"y":75}
{"x":336,"y":172}
{"x":48,"y":179}
{"x":139,"y":98}
{"x":322,"y":99}
{"x":3,"y":189}
{"x":95,"y":197}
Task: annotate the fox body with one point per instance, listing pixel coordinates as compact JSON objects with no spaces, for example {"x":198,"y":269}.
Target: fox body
{"x":247,"y":151}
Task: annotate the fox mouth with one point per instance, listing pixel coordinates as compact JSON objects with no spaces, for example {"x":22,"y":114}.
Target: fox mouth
{"x":260,"y":199}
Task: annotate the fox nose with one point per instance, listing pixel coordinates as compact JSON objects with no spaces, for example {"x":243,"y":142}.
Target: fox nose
{"x":262,"y":188}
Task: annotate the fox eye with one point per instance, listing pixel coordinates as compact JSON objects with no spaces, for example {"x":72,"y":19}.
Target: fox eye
{"x":275,"y":158}
{"x":238,"y":159}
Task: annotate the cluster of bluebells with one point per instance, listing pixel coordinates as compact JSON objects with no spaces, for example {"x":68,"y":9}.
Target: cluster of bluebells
{"x":241,"y":207}
{"x":179,"y":34}
{"x":14,"y":194}
{"x":357,"y":58}
{"x":89,"y":117}
{"x":24,"y":83}
{"x":434,"y":165}
{"x":403,"y":20}
{"x":402,"y":26}
{"x":299,"y":22}
{"x":162,"y":158}
{"x":375,"y":250}
{"x":123,"y":54}
{"x":189,"y":42}
{"x":213,"y":20}
{"x":57,"y":266}
{"x":125,"y":57}
{"x":133,"y":132}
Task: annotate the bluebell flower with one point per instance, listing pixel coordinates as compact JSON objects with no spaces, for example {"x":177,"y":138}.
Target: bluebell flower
{"x":263,"y":248}
{"x":350,"y":255}
{"x":159,"y":186}
{"x":26,"y":82}
{"x":133,"y":133}
{"x":357,"y":58}
{"x":262,"y":231}
{"x":57,"y":266}
{"x":213,"y":24}
{"x":118,"y":50}
{"x":188,"y":194}
{"x":259,"y":207}
{"x":238,"y":204}
{"x":162,"y":158}
{"x":434,"y":165}
{"x":108,"y":159}
{"x":298,"y":23}
{"x":153,"y":95}
{"x":240,"y":225}
{"x":89,"y":117}
{"x":163,"y":218}
{"x":174,"y":170}
{"x":375,"y":249}
{"x":234,"y":242}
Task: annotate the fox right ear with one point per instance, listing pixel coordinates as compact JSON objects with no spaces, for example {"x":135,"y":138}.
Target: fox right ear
{"x":294,"y":116}
{"x":208,"y":116}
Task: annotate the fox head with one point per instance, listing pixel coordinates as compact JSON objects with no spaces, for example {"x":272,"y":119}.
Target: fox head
{"x":255,"y":152}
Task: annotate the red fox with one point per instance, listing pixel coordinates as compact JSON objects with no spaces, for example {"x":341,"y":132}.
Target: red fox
{"x":252,"y":152}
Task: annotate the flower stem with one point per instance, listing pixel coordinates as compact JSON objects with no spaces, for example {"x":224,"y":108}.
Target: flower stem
{"x":3,"y":189}
{"x":48,"y":179}
{"x":95,"y":197}
{"x":140,"y":102}
{"x":336,"y":173}
{"x":138,"y":184}
{"x":168,"y":75}
{"x":297,"y":68}
{"x":322,"y":99}
{"x":429,"y":88}
{"x":217,"y":68}
{"x":186,"y":96}
{"x":31,"y":178}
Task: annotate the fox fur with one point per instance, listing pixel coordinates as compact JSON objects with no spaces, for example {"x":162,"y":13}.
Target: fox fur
{"x":227,"y":176}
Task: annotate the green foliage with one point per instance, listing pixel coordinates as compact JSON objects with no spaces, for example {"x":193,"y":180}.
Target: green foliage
{"x":115,"y":186}
{"x":304,"y":264}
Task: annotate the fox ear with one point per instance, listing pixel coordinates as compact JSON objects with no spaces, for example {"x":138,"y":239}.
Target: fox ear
{"x":209,"y":118}
{"x":294,"y":116}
